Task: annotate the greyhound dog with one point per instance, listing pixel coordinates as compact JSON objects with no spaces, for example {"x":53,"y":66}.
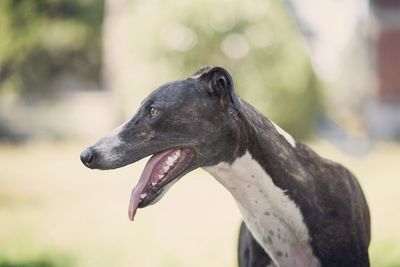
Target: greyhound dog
{"x":298,"y":209}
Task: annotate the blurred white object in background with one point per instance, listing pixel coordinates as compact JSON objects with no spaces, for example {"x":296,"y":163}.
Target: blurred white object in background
{"x":329,"y":28}
{"x":335,"y":33}
{"x":354,"y":48}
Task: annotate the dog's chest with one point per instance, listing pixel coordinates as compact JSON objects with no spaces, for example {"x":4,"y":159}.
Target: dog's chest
{"x":272,"y":217}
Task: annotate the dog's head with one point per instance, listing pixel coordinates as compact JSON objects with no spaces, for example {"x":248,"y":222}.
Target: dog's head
{"x":184,"y":124}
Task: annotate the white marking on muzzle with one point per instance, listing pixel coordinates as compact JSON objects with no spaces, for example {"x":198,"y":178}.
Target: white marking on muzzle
{"x":106,"y":145}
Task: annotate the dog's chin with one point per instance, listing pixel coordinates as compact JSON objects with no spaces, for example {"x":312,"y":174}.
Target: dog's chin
{"x":161,"y":171}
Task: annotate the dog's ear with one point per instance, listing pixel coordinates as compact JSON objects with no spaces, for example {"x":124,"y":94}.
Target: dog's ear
{"x":220,"y":83}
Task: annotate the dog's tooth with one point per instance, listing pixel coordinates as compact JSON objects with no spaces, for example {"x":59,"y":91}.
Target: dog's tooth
{"x":143,"y":195}
{"x":160,"y":176}
{"x":154,"y":183}
{"x":166,"y":168}
{"x":170,"y":161}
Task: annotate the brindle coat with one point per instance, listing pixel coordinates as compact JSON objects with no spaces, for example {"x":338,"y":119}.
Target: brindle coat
{"x":204,"y":114}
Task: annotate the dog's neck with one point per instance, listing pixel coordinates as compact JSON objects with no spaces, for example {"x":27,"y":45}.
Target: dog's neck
{"x":258,"y":180}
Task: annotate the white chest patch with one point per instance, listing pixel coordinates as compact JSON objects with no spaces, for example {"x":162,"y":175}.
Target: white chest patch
{"x":272,"y":217}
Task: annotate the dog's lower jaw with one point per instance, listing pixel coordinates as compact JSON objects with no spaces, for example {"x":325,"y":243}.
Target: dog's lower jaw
{"x":274,"y":220}
{"x":160,"y":172}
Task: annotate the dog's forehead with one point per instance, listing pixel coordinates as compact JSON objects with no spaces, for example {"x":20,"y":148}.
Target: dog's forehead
{"x":175,"y":91}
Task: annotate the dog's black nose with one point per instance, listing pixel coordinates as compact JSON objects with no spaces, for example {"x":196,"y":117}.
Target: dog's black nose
{"x":87,"y":157}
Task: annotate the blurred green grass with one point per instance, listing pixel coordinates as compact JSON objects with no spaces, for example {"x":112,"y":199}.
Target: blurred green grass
{"x":55,"y":212}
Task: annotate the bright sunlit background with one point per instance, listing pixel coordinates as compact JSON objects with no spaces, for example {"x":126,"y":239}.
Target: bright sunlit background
{"x":70,"y":71}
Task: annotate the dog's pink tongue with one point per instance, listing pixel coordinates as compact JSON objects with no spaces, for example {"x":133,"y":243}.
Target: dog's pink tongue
{"x":144,"y":183}
{"x":135,"y":195}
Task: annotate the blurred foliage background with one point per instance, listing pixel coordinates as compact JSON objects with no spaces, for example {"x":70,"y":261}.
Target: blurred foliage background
{"x":40,"y":40}
{"x":256,"y":41}
{"x":44,"y":43}
{"x":72,"y":70}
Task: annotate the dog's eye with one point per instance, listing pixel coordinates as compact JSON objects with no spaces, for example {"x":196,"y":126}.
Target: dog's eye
{"x":153,"y":112}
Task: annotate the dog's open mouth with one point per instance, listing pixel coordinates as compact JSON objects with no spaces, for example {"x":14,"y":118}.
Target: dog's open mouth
{"x":162,"y":169}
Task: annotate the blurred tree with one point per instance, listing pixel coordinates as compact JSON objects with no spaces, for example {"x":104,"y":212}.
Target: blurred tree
{"x":117,"y":55}
{"x":255,"y":40}
{"x":41,"y":39}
